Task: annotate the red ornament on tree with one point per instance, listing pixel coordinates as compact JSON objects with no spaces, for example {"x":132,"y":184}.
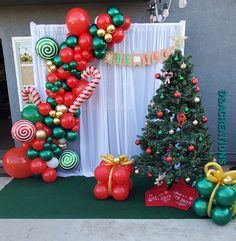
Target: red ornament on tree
{"x":177,"y":94}
{"x":197,"y":89}
{"x":148,"y":150}
{"x":157,"y":75}
{"x":160,"y":114}
{"x":137,"y":142}
{"x":191,"y":148}
{"x":204,"y":119}
{"x":194,"y":81}
{"x":169,"y":159}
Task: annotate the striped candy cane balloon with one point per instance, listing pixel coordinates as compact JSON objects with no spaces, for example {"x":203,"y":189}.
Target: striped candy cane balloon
{"x":94,"y":73}
{"x":27,"y":91}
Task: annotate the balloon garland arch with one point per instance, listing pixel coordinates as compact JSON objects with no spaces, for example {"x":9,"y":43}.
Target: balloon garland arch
{"x":46,"y":127}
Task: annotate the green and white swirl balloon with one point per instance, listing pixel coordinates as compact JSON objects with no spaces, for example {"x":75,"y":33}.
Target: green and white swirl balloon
{"x":68,"y":160}
{"x":47,"y":48}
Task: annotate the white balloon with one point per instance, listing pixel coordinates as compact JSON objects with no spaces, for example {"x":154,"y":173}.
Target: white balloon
{"x":53,"y":163}
{"x":62,"y":141}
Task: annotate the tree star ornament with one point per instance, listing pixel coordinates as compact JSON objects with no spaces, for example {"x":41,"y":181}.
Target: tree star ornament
{"x":179,"y":41}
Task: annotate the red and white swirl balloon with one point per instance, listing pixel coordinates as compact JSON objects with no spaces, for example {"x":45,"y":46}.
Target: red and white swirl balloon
{"x":23,"y":131}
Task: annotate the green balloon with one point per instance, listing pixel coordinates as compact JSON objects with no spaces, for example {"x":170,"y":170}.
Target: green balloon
{"x":54,"y":89}
{"x":32,"y":154}
{"x":58,"y":132}
{"x":57,"y":151}
{"x":204,"y":187}
{"x":100,"y":54}
{"x":65,"y":86}
{"x":76,"y":73}
{"x":71,"y":41}
{"x":57,"y":83}
{"x":118,"y":20}
{"x":221,"y":215}
{"x":57,"y":61}
{"x":99,"y":44}
{"x":63,"y":45}
{"x":112,"y":11}
{"x":71,"y":136}
{"x":72,"y":65}
{"x":47,"y":146}
{"x":51,"y":101}
{"x":77,"y":113}
{"x":49,"y":121}
{"x":46,"y":155}
{"x":54,"y":146}
{"x":200,"y":207}
{"x":31,"y":113}
{"x":48,"y":85}
{"x":66,"y":67}
{"x":49,"y":139}
{"x":93,"y":30}
{"x":225,"y":196}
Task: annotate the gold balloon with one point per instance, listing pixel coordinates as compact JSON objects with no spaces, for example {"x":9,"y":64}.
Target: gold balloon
{"x":53,"y":68}
{"x":49,"y":63}
{"x":111,"y":28}
{"x":101,"y":32}
{"x":183,"y":66}
{"x":62,"y":146}
{"x":52,"y":113}
{"x":108,"y":37}
{"x":59,"y":114}
{"x":62,"y":108}
{"x":49,"y":71}
{"x":41,"y":134}
{"x":56,"y":121}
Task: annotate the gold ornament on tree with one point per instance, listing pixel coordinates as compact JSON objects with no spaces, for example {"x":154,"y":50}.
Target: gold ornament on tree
{"x":183,"y":66}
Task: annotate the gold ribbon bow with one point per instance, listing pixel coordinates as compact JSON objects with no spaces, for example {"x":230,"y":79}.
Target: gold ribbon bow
{"x":215,"y":173}
{"x":110,"y":160}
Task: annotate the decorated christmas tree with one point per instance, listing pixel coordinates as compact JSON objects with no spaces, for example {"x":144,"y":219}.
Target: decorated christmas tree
{"x":175,"y":142}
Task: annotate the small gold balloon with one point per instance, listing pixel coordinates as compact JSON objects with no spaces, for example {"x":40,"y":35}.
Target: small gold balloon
{"x":111,"y":28}
{"x":183,"y":66}
{"x":56,"y":121}
{"x":52,"y":113}
{"x":62,"y":108}
{"x":49,"y":63}
{"x":49,"y":71}
{"x":101,"y":32}
{"x":41,"y":134}
{"x":59,"y":114}
{"x":53,"y":68}
{"x":108,"y":37}
{"x":62,"y":146}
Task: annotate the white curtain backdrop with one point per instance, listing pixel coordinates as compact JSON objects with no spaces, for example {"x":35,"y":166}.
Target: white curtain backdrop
{"x":115,"y":114}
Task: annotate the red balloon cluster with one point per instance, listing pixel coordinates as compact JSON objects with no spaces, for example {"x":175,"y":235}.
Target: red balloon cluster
{"x":120,"y":181}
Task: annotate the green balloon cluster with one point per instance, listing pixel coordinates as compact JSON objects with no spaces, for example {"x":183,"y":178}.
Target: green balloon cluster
{"x":223,"y":203}
{"x":31,"y":113}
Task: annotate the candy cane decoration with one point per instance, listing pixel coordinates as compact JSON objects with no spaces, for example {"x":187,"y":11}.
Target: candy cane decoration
{"x":94,"y":73}
{"x":28,"y":91}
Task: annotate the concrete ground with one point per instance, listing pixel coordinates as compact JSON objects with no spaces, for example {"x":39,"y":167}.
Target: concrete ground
{"x":112,"y":230}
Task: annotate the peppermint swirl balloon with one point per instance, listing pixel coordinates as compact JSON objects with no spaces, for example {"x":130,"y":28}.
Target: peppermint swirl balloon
{"x":68,"y":160}
{"x":23,"y":131}
{"x":47,"y":48}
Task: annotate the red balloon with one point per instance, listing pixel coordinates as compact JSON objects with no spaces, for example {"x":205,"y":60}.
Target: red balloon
{"x":86,"y":54}
{"x":102,"y":172}
{"x":77,"y":21}
{"x":118,"y":35}
{"x":120,"y":192}
{"x":127,"y":23}
{"x":55,"y":141}
{"x":51,"y":94}
{"x":52,"y":77}
{"x":129,"y":167}
{"x":81,"y":65}
{"x":120,"y":175}
{"x":25,"y":146}
{"x":110,"y":45}
{"x":85,"y":41}
{"x":16,"y":163}
{"x":49,"y":175}
{"x":38,"y":166}
{"x":38,"y":144}
{"x":39,"y":125}
{"x":64,"y":74}
{"x":77,"y":49}
{"x":75,"y":128}
{"x":66,"y":55}
{"x":67,"y":121}
{"x":44,"y":108}
{"x":78,"y":57}
{"x":129,"y":183}
{"x":103,"y":20}
{"x":69,"y":98}
{"x":61,"y":91}
{"x":72,"y":81}
{"x":48,"y":130}
{"x":101,"y":191}
{"x":59,"y":99}
{"x":82,"y":84}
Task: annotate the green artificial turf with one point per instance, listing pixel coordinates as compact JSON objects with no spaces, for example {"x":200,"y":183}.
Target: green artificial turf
{"x":73,"y":198}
